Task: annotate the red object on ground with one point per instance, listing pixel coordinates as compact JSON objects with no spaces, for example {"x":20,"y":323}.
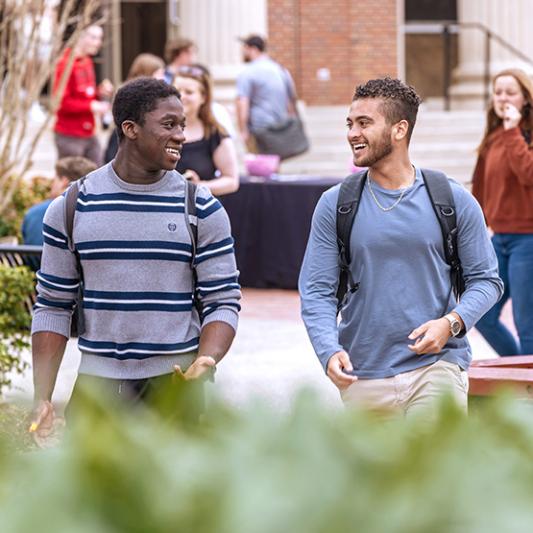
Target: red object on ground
{"x":511,"y":373}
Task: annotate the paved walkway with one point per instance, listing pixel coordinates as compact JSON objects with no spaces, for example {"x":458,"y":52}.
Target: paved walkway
{"x":271,"y":357}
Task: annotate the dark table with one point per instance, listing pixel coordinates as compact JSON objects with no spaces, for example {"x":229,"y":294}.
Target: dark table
{"x":270,"y":221}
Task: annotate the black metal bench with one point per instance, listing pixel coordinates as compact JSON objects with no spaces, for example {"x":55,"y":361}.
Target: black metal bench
{"x":13,"y":255}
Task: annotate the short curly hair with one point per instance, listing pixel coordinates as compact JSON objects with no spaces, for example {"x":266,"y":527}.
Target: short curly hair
{"x":400,"y":101}
{"x":138,"y":97}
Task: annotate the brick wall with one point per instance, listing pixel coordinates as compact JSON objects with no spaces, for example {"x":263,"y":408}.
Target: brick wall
{"x":355,"y":41}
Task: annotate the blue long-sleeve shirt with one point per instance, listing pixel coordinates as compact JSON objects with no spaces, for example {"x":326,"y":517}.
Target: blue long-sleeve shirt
{"x":398,"y":259}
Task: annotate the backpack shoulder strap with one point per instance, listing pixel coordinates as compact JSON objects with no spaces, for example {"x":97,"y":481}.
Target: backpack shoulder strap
{"x":191,"y":218}
{"x":69,"y":210}
{"x":191,"y":221}
{"x":77,"y":327}
{"x":347,"y":205}
{"x":441,"y":196}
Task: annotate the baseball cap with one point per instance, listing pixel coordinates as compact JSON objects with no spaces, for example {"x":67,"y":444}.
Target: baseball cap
{"x":254,"y":40}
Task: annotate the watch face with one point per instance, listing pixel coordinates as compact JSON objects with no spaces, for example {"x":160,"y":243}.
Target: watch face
{"x":456,"y":328}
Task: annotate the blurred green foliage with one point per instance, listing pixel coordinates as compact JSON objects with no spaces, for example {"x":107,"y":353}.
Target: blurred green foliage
{"x":14,"y":436}
{"x":255,"y":471}
{"x":16,"y":289}
{"x":27,"y":194}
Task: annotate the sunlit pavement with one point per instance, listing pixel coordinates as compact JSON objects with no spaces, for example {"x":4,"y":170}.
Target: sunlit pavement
{"x":271,"y":357}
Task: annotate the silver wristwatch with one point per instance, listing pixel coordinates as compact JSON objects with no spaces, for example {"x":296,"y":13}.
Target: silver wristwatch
{"x":455,"y":325}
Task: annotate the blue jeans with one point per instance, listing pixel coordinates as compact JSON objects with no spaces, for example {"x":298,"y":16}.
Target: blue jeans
{"x":515,"y":262}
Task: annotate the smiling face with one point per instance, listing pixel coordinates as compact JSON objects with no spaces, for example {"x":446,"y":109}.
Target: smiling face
{"x":159,"y":140}
{"x":192,"y":95}
{"x":369,"y":133}
{"x":507,"y":90}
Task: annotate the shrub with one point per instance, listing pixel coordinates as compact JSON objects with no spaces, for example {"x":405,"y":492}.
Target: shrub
{"x":17,"y":286}
{"x":14,"y":436}
{"x":255,"y":471}
{"x":27,"y":194}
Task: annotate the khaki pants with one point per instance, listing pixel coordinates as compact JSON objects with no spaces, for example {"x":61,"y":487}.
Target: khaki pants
{"x":410,"y":393}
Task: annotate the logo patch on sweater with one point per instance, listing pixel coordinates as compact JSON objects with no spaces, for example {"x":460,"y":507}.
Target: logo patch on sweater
{"x":171,"y":226}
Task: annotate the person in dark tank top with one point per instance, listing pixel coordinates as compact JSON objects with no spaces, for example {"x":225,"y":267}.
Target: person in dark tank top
{"x":209,"y":157}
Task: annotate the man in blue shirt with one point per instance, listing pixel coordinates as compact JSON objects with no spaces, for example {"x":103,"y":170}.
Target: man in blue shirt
{"x":400,"y":343}
{"x":264,"y":91}
{"x":67,"y":169}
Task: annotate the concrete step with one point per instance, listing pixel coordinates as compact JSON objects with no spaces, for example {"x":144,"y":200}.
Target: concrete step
{"x":441,"y":139}
{"x":331,"y":134}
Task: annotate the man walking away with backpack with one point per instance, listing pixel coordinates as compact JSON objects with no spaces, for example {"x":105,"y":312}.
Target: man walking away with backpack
{"x":142,"y":266}
{"x":400,"y":343}
{"x":265,"y":92}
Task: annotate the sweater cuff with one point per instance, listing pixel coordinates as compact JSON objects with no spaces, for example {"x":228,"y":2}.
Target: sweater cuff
{"x":229,"y":316}
{"x":51,"y":323}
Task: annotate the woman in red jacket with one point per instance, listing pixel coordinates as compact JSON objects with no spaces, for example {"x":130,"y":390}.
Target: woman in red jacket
{"x":75,"y":128}
{"x":503,"y":185}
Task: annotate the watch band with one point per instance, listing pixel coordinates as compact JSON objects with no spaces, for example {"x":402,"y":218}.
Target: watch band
{"x":455,"y":325}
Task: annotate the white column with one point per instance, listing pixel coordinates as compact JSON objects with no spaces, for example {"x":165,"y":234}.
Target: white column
{"x":215,"y":25}
{"x":400,"y":39}
{"x":510,"y":20}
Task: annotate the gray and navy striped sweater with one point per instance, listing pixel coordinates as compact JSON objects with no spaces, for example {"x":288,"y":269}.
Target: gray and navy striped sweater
{"x":135,"y":252}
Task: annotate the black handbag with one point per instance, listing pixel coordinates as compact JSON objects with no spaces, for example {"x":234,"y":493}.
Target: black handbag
{"x":286,"y":138}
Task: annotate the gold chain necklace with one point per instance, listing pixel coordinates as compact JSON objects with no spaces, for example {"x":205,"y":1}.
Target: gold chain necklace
{"x":390,"y":208}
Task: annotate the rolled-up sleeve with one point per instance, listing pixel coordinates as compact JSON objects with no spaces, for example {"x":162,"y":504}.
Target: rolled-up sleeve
{"x":217,"y":285}
{"x":483,"y":286}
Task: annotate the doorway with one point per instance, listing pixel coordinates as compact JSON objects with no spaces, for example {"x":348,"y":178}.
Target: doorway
{"x":143,"y":29}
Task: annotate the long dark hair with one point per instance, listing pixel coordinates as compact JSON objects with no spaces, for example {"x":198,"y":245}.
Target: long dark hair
{"x":526,"y":124}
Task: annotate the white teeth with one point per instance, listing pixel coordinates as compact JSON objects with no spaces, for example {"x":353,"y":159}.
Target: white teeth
{"x":172,"y":151}
{"x":359,"y":146}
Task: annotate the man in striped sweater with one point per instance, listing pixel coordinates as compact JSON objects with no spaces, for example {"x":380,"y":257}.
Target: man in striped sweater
{"x":135,"y":250}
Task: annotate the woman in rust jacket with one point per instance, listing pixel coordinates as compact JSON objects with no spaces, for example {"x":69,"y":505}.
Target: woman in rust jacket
{"x":503,"y":185}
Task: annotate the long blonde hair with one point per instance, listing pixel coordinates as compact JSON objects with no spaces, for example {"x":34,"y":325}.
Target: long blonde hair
{"x":494,"y":121}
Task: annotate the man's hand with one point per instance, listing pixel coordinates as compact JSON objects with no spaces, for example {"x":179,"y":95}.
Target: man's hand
{"x":42,"y":418}
{"x":511,"y":117}
{"x":99,"y":107}
{"x":201,"y":367}
{"x":338,"y":363}
{"x":430,"y":337}
{"x":46,"y":428}
{"x":105,"y":89}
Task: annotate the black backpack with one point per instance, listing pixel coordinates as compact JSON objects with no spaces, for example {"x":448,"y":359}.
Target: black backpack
{"x":440,"y":194}
{"x":69,"y":209}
